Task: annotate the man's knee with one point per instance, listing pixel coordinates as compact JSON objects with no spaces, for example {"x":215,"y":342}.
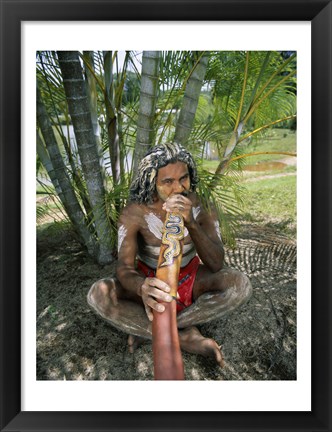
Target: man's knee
{"x":102,"y":292}
{"x":237,"y":283}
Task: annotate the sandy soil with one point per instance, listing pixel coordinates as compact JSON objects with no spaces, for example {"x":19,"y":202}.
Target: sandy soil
{"x":258,"y":340}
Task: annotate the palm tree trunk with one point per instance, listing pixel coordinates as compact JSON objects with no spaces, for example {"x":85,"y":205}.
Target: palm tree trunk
{"x":148,"y":98}
{"x":76,"y":176}
{"x":79,"y":110}
{"x":190,"y":101}
{"x":93,"y":99}
{"x":59,"y":177}
{"x":47,"y":164}
{"x":111,"y":118}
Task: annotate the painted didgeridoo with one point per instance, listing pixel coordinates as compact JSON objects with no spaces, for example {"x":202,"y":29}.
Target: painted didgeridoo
{"x":167,"y":357}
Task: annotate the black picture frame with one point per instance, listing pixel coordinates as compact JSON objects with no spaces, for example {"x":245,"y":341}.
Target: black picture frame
{"x":12,"y":14}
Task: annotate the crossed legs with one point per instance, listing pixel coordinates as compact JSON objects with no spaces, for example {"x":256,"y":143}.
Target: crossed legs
{"x":215,"y":295}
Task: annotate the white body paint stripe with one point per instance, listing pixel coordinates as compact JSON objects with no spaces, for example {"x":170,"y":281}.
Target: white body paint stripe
{"x":218,"y":229}
{"x":121,"y":235}
{"x":155,"y":225}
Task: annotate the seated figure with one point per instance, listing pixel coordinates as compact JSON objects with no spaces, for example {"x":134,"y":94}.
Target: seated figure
{"x":166,"y":182}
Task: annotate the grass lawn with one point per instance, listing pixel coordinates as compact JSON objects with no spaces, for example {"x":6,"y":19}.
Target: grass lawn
{"x":277,"y":140}
{"x":270,"y":197}
{"x":272,"y":201}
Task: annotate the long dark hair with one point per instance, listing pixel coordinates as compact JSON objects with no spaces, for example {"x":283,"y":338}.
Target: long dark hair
{"x":143,"y":188}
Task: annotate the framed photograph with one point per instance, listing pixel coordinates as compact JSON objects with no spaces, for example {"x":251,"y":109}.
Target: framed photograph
{"x":29,"y":404}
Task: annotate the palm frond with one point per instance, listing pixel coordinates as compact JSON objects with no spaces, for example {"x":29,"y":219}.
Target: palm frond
{"x":227,"y":198}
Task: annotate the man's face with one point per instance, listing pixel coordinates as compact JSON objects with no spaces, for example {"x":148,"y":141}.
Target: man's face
{"x":172,"y":179}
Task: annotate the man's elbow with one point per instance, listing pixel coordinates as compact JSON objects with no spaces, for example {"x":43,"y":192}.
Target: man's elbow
{"x":218,"y":263}
{"x":216,"y":267}
{"x":124,"y":270}
{"x":120,"y":271}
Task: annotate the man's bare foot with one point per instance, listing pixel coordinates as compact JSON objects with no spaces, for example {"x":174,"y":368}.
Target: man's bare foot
{"x":192,"y":341}
{"x":134,"y":342}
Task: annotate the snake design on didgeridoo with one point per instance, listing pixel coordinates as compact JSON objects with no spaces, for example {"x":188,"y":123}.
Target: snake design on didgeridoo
{"x":173,"y":233}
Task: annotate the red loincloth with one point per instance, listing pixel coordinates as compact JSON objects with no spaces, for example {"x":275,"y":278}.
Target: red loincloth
{"x":187,"y":277}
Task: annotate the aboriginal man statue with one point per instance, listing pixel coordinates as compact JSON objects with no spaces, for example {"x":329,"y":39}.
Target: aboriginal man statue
{"x":166,"y":182}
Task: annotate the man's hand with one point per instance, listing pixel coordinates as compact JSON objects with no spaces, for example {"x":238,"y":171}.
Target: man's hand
{"x":151,"y":290}
{"x":181,"y":204}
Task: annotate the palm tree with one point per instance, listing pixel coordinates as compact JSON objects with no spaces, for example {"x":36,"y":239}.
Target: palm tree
{"x":257,"y":95}
{"x":192,"y":92}
{"x":220,"y":98}
{"x":147,"y":107}
{"x":252,"y":91}
{"x":80,"y":114}
{"x":53,"y":162}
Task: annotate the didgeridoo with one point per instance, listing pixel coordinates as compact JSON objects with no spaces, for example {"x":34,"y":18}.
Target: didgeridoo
{"x":167,"y":357}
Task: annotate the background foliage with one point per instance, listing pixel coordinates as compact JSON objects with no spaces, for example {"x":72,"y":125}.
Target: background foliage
{"x":93,"y":110}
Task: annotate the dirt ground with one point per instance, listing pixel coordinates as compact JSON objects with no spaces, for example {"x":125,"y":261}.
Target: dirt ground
{"x":258,"y":340}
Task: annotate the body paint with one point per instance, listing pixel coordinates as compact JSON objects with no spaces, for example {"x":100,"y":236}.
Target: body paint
{"x":155,"y":225}
{"x":216,"y":224}
{"x":196,"y":212}
{"x":121,"y":235}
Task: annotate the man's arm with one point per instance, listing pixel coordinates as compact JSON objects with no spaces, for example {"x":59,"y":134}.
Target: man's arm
{"x":128,"y":228}
{"x":149,"y":289}
{"x":203,"y":230}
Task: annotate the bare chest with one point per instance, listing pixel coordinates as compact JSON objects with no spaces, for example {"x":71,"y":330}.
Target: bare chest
{"x":149,"y":241}
{"x":152,"y":229}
